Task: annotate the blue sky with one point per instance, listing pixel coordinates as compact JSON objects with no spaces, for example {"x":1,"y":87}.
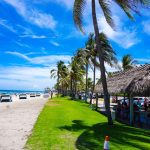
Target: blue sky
{"x":35,"y":34}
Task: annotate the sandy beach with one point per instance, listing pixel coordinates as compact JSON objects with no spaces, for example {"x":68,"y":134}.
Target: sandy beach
{"x":17,"y":119}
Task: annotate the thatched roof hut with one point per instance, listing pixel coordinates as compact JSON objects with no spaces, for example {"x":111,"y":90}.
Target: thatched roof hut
{"x":135,"y":82}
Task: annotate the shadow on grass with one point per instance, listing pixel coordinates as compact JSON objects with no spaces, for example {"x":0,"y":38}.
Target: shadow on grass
{"x":122,"y":136}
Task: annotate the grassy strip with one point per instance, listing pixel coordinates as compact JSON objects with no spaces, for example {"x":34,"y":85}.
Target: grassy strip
{"x":68,"y":125}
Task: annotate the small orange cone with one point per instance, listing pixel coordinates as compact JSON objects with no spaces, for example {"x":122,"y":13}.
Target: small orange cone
{"x":106,"y":143}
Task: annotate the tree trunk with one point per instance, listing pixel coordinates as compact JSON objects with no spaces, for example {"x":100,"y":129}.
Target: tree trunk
{"x":75,"y":85}
{"x":102,"y":67}
{"x":93,"y":84}
{"x":86,"y":87}
{"x":96,"y":101}
{"x":71,"y":89}
{"x":58,"y":82}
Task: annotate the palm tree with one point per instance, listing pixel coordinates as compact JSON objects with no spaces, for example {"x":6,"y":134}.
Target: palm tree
{"x":88,"y":55}
{"x":91,"y":59}
{"x":77,"y":72}
{"x":128,"y":6}
{"x":109,"y":54}
{"x":127,"y":62}
{"x":58,"y":73}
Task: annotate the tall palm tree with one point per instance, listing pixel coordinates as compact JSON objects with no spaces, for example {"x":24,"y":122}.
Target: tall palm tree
{"x":89,"y":55}
{"x":77,"y":72}
{"x":108,"y":52}
{"x":92,"y":55}
{"x":58,"y":73}
{"x":128,"y":6}
{"x":127,"y":62}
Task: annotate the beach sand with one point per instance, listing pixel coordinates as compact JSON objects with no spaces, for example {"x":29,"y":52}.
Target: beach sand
{"x":17,"y":119}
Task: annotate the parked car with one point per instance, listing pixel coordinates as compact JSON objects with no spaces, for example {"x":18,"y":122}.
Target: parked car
{"x":32,"y":95}
{"x":5,"y":98}
{"x":22,"y":96}
{"x":38,"y":94}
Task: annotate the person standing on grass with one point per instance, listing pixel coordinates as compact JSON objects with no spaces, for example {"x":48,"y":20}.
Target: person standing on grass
{"x":51,"y":94}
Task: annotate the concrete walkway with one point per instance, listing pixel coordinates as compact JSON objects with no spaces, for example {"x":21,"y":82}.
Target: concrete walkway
{"x":17,"y":120}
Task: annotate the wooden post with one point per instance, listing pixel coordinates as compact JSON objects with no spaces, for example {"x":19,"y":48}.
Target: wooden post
{"x":131,"y":110}
{"x":96,"y":101}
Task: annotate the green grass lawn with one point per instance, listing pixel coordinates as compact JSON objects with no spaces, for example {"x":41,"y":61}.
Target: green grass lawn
{"x":70,"y":125}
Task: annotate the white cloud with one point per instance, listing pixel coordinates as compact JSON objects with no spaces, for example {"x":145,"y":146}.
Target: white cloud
{"x":22,"y":44}
{"x":145,"y":60}
{"x":5,"y":24}
{"x":33,"y":16}
{"x":42,"y":60}
{"x":34,"y":36}
{"x":26,"y":78}
{"x":28,"y":33}
{"x":146,"y":26}
{"x":55,"y":43}
{"x":50,"y":59}
{"x":31,"y":78}
{"x":19,"y":55}
{"x":67,"y":3}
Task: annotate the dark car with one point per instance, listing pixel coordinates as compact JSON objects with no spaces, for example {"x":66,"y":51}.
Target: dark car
{"x":5,"y":98}
{"x":32,"y":95}
{"x":22,"y":96}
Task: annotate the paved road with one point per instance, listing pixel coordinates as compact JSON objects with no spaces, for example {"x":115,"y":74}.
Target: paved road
{"x":17,"y":120}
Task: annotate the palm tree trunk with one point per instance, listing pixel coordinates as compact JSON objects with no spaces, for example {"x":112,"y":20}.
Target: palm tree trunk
{"x":94,"y":71}
{"x":75,"y":85}
{"x":102,"y":66}
{"x":58,"y":82}
{"x":86,"y":88}
{"x":71,"y":90}
{"x":96,"y":101}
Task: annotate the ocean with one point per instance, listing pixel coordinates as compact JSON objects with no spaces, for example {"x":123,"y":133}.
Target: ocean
{"x":18,"y":91}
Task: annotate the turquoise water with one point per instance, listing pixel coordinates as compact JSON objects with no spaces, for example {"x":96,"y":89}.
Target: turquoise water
{"x":17,"y":91}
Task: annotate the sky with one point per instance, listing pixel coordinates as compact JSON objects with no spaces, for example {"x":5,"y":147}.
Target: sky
{"x":35,"y":34}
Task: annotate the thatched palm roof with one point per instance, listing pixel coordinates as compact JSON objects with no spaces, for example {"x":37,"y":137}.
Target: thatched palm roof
{"x":135,"y":81}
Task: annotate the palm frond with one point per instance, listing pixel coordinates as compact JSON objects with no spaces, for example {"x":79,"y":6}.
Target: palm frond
{"x":108,"y":52}
{"x":78,"y":9}
{"x":130,"y":6}
{"x":105,"y":5}
{"x":53,"y":70}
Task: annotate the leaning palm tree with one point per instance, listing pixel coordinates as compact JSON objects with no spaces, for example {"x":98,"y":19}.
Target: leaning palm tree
{"x":128,"y":6}
{"x":108,"y":52}
{"x":127,"y":62}
{"x":87,"y":54}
